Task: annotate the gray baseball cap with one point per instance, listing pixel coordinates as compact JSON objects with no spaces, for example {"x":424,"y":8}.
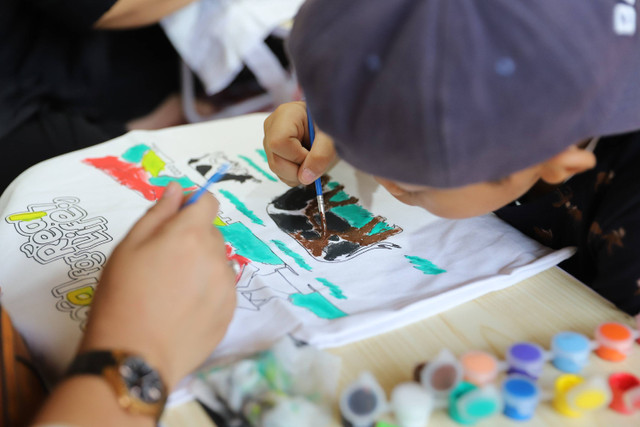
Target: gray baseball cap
{"x":451,"y":92}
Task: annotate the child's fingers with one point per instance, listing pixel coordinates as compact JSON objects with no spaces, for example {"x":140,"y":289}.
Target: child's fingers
{"x":202,"y":213}
{"x":158,"y":214}
{"x":321,"y":158}
{"x":286,"y":170}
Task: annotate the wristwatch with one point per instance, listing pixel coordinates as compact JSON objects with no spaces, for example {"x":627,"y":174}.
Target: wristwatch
{"x":138,"y":387}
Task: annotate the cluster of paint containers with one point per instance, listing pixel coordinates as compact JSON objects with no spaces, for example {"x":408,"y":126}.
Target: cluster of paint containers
{"x":467,"y":386}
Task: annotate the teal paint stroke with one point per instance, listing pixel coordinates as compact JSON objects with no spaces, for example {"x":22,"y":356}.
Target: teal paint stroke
{"x":263,"y":154}
{"x":296,"y":257}
{"x":332,"y":184}
{"x":358,"y":217}
{"x":340,"y":196}
{"x":248,"y":245}
{"x":424,"y":265}
{"x":258,"y":168}
{"x":135,"y":153}
{"x":318,"y":305}
{"x":336,"y":292}
{"x":242,"y":207}
{"x":163,"y":181}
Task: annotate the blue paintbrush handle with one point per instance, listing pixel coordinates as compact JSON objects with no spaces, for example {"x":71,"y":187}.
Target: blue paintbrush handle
{"x":212,"y":179}
{"x":312,"y":137}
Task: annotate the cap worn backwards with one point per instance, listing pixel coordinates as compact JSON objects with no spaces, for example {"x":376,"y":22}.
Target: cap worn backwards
{"x":447,"y":93}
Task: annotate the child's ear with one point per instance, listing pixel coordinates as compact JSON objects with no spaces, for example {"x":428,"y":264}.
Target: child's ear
{"x":564,"y":165}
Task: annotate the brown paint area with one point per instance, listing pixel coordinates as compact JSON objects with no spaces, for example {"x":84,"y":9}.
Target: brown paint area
{"x":359,"y":236}
{"x":340,"y":239}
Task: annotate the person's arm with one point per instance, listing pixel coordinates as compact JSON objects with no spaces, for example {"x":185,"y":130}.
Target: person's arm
{"x":167,"y":293}
{"x":286,"y":139}
{"x":138,"y":13}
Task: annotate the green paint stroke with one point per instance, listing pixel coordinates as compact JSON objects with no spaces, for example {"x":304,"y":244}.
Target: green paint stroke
{"x":258,"y":168}
{"x":336,"y":292}
{"x":242,"y":207}
{"x":296,"y":257}
{"x":424,"y":265}
{"x":263,"y":154}
{"x":163,"y":181}
{"x":135,"y":153}
{"x":318,"y":305}
{"x":248,"y":245}
{"x":358,"y":217}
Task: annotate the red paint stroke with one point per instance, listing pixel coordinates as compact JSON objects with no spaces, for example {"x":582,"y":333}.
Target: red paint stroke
{"x":232,"y":256}
{"x":130,"y":175}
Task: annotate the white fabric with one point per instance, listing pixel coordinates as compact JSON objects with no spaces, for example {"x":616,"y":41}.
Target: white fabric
{"x":382,"y":290}
{"x":217,"y":37}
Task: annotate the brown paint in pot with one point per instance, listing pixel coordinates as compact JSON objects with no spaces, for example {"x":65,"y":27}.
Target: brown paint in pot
{"x":443,"y":378}
{"x":442,"y":374}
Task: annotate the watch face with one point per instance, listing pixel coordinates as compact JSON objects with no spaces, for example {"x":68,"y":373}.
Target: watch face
{"x":141,"y":380}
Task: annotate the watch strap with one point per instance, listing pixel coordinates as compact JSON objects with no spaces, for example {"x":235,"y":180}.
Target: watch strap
{"x":92,"y":362}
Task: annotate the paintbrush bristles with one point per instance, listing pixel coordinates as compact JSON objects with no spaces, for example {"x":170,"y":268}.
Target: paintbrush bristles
{"x":323,"y":216}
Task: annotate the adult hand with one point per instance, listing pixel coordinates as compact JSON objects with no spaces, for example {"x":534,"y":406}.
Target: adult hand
{"x":167,"y":291}
{"x":286,"y":138}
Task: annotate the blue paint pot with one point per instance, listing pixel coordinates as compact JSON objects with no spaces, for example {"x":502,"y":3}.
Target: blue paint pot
{"x":521,"y":396}
{"x":570,"y":351}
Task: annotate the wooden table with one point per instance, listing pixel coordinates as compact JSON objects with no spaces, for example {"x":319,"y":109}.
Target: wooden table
{"x":533,"y":310}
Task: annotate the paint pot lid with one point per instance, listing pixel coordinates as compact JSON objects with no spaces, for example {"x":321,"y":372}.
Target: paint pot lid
{"x":412,"y":404}
{"x":479,"y":367}
{"x":363,"y":401}
{"x":480,"y":403}
{"x":623,"y":381}
{"x":615,"y":335}
{"x":520,"y":387}
{"x":589,"y":395}
{"x":631,"y":398}
{"x":441,"y":375}
{"x":526,"y":356}
{"x":568,"y":343}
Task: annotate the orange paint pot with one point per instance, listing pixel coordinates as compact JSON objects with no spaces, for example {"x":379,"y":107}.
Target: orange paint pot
{"x":479,"y":367}
{"x":614,"y":341}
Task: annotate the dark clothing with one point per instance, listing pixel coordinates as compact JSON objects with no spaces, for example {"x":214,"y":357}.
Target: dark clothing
{"x":53,"y":63}
{"x":597,"y":211}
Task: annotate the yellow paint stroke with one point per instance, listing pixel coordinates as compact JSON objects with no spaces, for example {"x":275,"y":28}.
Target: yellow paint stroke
{"x":82,"y":296}
{"x":152,"y":163}
{"x":218,"y":222}
{"x":27,"y":216}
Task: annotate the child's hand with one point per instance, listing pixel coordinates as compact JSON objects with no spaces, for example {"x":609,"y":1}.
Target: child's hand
{"x":285,"y":140}
{"x":167,"y":292}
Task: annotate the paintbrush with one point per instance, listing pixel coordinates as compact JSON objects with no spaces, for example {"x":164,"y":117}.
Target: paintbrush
{"x":319,"y":198}
{"x":212,"y":179}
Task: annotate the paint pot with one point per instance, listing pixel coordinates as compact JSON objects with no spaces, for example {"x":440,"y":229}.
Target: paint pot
{"x":362,"y":402}
{"x":521,"y":396}
{"x":412,"y":405}
{"x":625,"y":388}
{"x":614,"y":341}
{"x":441,"y":375}
{"x":479,"y":367}
{"x":570,"y":351}
{"x":573,"y":395}
{"x":526,"y":358}
{"x":469,"y":403}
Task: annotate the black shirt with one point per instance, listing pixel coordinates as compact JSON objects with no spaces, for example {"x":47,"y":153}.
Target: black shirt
{"x":597,"y":211}
{"x":51,"y":55}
